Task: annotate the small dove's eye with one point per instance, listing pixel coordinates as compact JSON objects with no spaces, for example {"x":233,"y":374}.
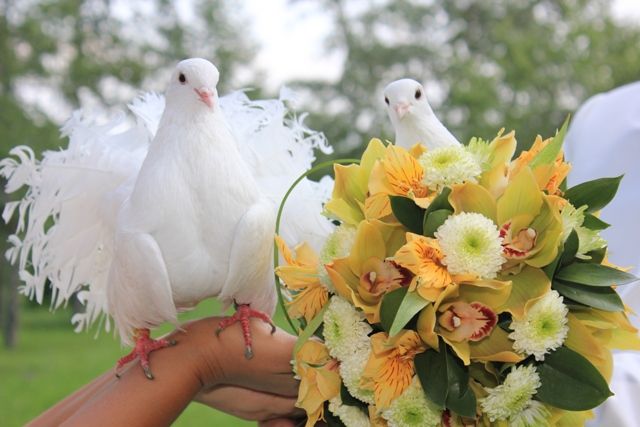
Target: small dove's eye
{"x":418,"y":93}
{"x":182,"y":79}
{"x":386,"y":100}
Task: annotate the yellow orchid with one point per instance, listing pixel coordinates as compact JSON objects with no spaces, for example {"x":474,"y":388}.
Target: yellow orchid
{"x":300,"y":276}
{"x":319,"y":379}
{"x":367,"y":274}
{"x":390,"y":368}
{"x":496,"y":177}
{"x":548,"y":176}
{"x":398,"y":173}
{"x":529,"y":220}
{"x":423,"y":257}
{"x":465,"y":316}
{"x":351,"y":186}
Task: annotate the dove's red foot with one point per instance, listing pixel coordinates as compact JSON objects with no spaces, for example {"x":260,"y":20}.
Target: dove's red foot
{"x":144,"y":345}
{"x":243,"y":314}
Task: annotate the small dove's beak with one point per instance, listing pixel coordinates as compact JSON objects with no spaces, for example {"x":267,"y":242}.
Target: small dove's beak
{"x":206,"y":95}
{"x":401,"y":109}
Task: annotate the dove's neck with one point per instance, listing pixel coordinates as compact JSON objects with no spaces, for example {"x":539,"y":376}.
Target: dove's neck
{"x":425,"y":128}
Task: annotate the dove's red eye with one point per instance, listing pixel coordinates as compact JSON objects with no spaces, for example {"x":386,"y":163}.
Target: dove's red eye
{"x":418,"y":93}
{"x":386,"y":100}
{"x":182,"y":78}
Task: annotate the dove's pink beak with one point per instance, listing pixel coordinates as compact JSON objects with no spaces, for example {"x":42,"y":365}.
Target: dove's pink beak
{"x":402,"y":108}
{"x":206,"y":95}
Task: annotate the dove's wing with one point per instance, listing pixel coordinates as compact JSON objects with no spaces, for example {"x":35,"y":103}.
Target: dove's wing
{"x":250,"y":275}
{"x":279,"y":148}
{"x":139,"y":292}
{"x":66,"y":219}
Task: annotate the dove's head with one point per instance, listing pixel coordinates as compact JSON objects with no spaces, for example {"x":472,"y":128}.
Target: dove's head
{"x":192,"y":88}
{"x":405,"y":98}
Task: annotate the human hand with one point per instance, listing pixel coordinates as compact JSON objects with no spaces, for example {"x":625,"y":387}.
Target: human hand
{"x":219,"y":360}
{"x":268,"y":409}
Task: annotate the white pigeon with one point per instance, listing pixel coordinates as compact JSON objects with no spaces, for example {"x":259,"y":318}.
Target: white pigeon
{"x":412,"y":117}
{"x":150,"y":219}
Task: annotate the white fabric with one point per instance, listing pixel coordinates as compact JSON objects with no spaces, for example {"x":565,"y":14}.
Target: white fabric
{"x":604,"y":141}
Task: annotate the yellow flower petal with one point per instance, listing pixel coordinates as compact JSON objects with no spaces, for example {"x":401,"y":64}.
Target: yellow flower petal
{"x":526,"y":286}
{"x":521,"y":197}
{"x":319,"y":379}
{"x":496,"y":177}
{"x":390,"y":367}
{"x":301,"y":277}
{"x":426,"y":325}
{"x":470,"y":197}
{"x":497,"y":347}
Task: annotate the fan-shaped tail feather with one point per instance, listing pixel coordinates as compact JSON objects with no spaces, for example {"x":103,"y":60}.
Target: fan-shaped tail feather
{"x":66,"y":219}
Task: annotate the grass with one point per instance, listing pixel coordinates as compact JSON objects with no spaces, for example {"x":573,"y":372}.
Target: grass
{"x":50,"y":361}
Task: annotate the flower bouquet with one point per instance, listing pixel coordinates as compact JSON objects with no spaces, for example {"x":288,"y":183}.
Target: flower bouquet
{"x":459,"y":287}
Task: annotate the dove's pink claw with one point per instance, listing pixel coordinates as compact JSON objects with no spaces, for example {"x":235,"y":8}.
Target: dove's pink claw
{"x":144,"y":345}
{"x":243,"y":313}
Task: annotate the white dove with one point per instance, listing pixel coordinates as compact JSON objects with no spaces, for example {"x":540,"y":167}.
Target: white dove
{"x":412,"y":117}
{"x":146,"y":226}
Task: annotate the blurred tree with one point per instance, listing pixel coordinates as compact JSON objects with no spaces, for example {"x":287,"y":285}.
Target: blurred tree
{"x":58,"y":55}
{"x":486,"y":64}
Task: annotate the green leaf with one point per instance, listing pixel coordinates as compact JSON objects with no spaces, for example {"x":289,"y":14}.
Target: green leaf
{"x":548,"y":154}
{"x":330,"y":419}
{"x":570,"y":249}
{"x":571,"y":382}
{"x":603,"y":298}
{"x":597,"y":255}
{"x":592,"y":222}
{"x":389,"y":307}
{"x":349,"y":400}
{"x":445,"y":380}
{"x":595,"y":194}
{"x":594,"y":275}
{"x":408,"y":213}
{"x":411,"y":304}
{"x":433,"y":220}
{"x":306,"y":333}
{"x":441,"y":201}
{"x":550,"y":270}
{"x":431,"y":370}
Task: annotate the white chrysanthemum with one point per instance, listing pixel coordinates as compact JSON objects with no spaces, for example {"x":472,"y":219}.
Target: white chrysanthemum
{"x":481,"y":151}
{"x":337,"y":245}
{"x":535,"y":415}
{"x":346,"y":335}
{"x":573,"y":219}
{"x":543,"y":328}
{"x":513,"y":396}
{"x":471,"y":244}
{"x":344,"y":328}
{"x":412,"y":408}
{"x":351,"y":370}
{"x":351,"y":416}
{"x":445,"y":166}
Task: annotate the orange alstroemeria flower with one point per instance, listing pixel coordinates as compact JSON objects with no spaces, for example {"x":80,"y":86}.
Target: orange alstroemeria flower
{"x":548,"y":176}
{"x":390,"y":367}
{"x":423,"y":257}
{"x":300,"y":276}
{"x":319,"y":379}
{"x":398,"y":173}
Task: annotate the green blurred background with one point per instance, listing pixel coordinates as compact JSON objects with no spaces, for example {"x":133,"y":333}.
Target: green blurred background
{"x":486,"y":64}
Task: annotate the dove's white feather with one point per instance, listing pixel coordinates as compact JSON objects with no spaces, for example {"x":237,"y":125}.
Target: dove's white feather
{"x":413,"y":118}
{"x":67,"y":218}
